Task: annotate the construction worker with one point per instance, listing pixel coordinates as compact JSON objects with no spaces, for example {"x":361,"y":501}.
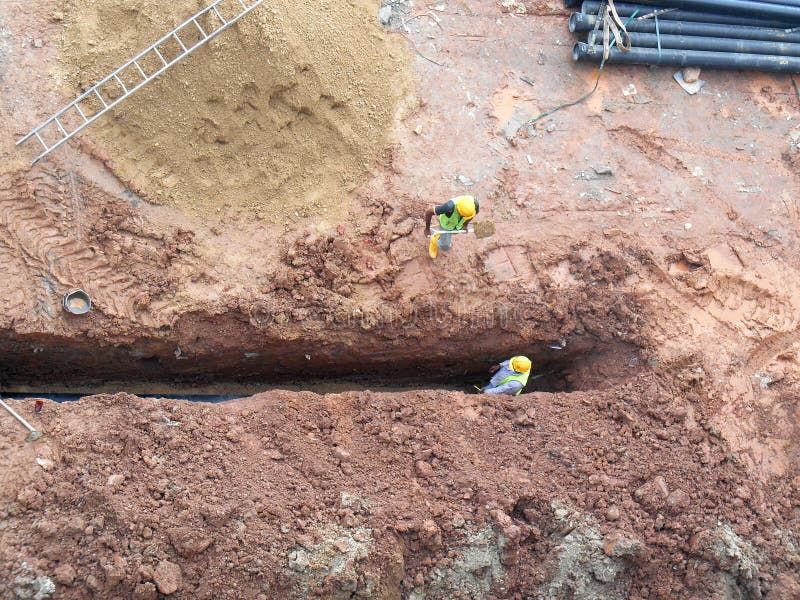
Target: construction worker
{"x":510,"y":376}
{"x":453,"y":215}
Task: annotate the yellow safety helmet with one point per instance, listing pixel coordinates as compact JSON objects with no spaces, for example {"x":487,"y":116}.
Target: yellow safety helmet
{"x":466,"y":207}
{"x":521,"y":364}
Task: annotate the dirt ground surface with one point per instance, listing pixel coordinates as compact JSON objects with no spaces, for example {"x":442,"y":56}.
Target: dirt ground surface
{"x":645,"y":257}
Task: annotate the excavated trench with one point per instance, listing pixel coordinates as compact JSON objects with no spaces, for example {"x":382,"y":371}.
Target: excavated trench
{"x":65,"y":369}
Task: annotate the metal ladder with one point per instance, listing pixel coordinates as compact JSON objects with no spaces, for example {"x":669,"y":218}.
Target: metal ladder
{"x":56,"y":124}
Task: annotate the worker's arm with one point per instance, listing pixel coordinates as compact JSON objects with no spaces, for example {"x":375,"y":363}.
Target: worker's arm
{"x":428,"y":216}
{"x":499,"y":366}
{"x":509,"y":389}
{"x":443,"y":209}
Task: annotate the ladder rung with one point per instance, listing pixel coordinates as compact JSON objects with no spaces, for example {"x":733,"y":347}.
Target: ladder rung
{"x":159,"y":56}
{"x":138,"y":66}
{"x":78,"y":108}
{"x":180,"y":41}
{"x":61,"y":127}
{"x":202,"y":32}
{"x":221,"y":18}
{"x":88,"y":119}
{"x":119,"y":81}
{"x":96,"y":93}
{"x":41,"y":141}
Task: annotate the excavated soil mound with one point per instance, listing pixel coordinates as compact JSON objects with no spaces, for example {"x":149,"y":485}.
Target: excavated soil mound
{"x":362,"y":495}
{"x":280,"y":114}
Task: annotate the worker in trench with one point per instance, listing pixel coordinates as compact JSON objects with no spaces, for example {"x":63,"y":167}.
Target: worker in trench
{"x":454,"y":215}
{"x":510,"y":376}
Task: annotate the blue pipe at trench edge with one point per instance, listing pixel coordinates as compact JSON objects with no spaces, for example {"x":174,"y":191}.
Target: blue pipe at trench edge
{"x":60,"y":398}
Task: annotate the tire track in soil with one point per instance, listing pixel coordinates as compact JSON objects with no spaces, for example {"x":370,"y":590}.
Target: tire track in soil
{"x":32,"y":231}
{"x":770,"y":348}
{"x":769,"y":311}
{"x":775,"y":314}
{"x":664,"y":285}
{"x":13,"y":300}
{"x":654,"y":148}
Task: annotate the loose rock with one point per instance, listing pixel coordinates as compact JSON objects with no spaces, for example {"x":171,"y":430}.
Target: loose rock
{"x":65,"y":574}
{"x":116,"y":480}
{"x":341,"y":454}
{"x":115,"y":572}
{"x":424,"y":469}
{"x":298,"y":560}
{"x":385,"y":15}
{"x":678,"y":500}
{"x":189,"y":543}
{"x":168,"y":577}
{"x":603,"y":170}
{"x":691,"y":74}
{"x":47,"y":464}
{"x":145,"y":591}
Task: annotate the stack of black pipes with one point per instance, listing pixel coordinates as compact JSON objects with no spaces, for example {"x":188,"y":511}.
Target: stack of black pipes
{"x":759,"y":35}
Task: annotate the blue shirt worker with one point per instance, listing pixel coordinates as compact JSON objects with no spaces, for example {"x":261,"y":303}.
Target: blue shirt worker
{"x":453,"y":215}
{"x":510,"y":376}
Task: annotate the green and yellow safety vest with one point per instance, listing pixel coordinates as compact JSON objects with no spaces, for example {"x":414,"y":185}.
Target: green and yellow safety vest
{"x":455,"y":221}
{"x":521,"y":377}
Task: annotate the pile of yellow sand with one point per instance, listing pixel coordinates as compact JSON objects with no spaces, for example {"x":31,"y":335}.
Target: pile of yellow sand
{"x":282,"y":113}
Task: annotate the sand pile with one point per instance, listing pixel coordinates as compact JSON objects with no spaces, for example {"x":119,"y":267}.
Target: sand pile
{"x":280,"y":114}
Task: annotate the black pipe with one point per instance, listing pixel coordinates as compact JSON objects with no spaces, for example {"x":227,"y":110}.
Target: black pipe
{"x":783,"y":2}
{"x":690,"y":42}
{"x":68,"y":397}
{"x":584,"y":22}
{"x":688,"y":58}
{"x":746,"y":8}
{"x":625,"y":9}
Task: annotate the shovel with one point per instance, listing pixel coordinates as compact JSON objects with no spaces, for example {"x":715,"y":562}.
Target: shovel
{"x":481,"y":229}
{"x":33,"y":435}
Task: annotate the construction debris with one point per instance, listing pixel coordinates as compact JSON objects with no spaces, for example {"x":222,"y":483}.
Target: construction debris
{"x":34,"y":434}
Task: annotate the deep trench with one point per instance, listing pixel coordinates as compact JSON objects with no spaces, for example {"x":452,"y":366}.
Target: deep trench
{"x":61,"y":372}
